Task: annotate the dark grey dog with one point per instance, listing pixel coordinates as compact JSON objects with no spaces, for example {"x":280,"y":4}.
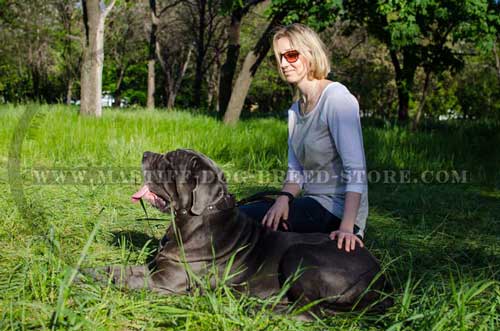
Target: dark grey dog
{"x":208,"y":228}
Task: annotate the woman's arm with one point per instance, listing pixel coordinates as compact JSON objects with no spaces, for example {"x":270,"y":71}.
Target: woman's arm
{"x":345,"y":127}
{"x":345,"y":234}
{"x":279,"y":210}
{"x":291,"y":188}
{"x":293,"y":184}
{"x":351,"y":206}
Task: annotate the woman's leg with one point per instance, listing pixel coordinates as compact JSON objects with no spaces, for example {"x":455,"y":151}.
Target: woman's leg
{"x":256,"y":210}
{"x":308,"y":215}
{"x":305,"y":215}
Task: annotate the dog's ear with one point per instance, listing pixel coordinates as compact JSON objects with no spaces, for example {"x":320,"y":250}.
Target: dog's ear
{"x":183,"y":186}
{"x":207,"y":191}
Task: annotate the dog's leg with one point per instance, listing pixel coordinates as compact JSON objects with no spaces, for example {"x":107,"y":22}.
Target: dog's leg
{"x":130,"y":277}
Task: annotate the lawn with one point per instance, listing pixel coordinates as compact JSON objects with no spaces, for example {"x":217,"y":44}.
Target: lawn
{"x":434,"y":220}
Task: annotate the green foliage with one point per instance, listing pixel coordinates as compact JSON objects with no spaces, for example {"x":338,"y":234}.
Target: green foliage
{"x":40,"y":52}
{"x":268,"y":92}
{"x":427,"y":33}
{"x":478,"y":92}
{"x":427,"y":23}
{"x":316,"y":14}
{"x":443,"y":97}
{"x":125,"y":69}
{"x":227,"y":6}
{"x":361,"y":63}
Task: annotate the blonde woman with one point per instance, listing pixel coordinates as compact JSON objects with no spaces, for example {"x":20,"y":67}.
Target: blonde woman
{"x":326,"y":158}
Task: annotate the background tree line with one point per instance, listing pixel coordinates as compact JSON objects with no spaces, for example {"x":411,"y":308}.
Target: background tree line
{"x":403,"y":59}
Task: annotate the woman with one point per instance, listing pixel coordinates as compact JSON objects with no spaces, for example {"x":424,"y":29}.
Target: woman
{"x":325,"y":148}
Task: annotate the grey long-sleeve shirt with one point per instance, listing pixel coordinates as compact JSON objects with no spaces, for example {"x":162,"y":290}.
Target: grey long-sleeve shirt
{"x":325,"y":151}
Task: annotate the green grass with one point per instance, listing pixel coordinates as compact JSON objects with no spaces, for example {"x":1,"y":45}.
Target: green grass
{"x":438,"y":241}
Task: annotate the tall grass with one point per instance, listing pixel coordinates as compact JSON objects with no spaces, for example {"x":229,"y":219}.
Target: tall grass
{"x":438,"y":241}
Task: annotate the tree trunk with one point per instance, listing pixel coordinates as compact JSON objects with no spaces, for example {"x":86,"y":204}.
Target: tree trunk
{"x":210,"y":92}
{"x":497,"y":59}
{"x":66,"y":9}
{"x":178,"y":80}
{"x":151,"y":84}
{"x":229,"y":66}
{"x":170,"y":97}
{"x":215,"y":91}
{"x":404,"y":102}
{"x":173,"y":79}
{"x":213,"y":81}
{"x":152,"y":56}
{"x":200,"y":54}
{"x":404,"y":82}
{"x":117,"y":94}
{"x":416,"y":121}
{"x":198,"y":80}
{"x":69,"y":91}
{"x":233,"y":53}
{"x":117,"y":99}
{"x":240,"y":91}
{"x":35,"y":77}
{"x":247,"y":72}
{"x":93,"y":57}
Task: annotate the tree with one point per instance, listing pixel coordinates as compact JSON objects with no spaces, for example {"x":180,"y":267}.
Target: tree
{"x":157,"y":10}
{"x":497,"y":58}
{"x":70,"y":39}
{"x":425,"y":34}
{"x":94,"y":16}
{"x":125,"y":43}
{"x":238,"y":10}
{"x":208,"y":30}
{"x":314,"y":14}
{"x":363,"y":64}
{"x":494,"y":6}
{"x":28,"y":33}
{"x":174,"y":47}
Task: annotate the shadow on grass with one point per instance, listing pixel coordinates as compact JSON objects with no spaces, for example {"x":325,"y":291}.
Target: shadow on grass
{"x":138,"y":241}
{"x":431,"y":230}
{"x":436,"y":230}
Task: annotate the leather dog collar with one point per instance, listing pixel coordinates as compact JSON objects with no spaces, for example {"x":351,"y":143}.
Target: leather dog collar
{"x":264,"y":196}
{"x":227,"y":201}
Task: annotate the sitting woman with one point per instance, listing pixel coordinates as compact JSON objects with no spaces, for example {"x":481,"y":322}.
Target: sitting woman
{"x":325,"y":148}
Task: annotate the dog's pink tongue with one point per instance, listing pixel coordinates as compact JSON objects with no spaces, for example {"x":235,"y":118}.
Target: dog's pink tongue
{"x":139,"y":194}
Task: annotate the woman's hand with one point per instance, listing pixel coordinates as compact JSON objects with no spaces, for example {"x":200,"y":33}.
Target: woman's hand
{"x":347,"y":237}
{"x":277,"y":213}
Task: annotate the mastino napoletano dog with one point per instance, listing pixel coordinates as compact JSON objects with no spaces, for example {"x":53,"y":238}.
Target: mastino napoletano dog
{"x":208,"y":228}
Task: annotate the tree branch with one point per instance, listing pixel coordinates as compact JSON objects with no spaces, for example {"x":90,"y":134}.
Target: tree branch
{"x":249,"y":5}
{"x":167,"y":7}
{"x":109,"y":8}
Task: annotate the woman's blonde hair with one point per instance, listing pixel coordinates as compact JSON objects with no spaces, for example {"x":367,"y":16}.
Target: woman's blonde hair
{"x":308,"y":44}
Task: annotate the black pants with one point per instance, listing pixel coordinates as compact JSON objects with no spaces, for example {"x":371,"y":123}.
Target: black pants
{"x":305,"y":215}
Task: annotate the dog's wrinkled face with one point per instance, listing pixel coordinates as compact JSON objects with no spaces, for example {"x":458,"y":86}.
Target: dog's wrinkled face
{"x":185,"y":178}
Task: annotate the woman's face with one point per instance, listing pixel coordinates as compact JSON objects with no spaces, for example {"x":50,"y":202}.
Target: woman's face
{"x":294,"y":72}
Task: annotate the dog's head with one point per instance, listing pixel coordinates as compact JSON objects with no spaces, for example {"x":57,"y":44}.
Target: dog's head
{"x":185,"y":179}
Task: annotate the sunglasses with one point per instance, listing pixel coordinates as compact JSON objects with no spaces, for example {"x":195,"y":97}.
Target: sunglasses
{"x":290,"y":56}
